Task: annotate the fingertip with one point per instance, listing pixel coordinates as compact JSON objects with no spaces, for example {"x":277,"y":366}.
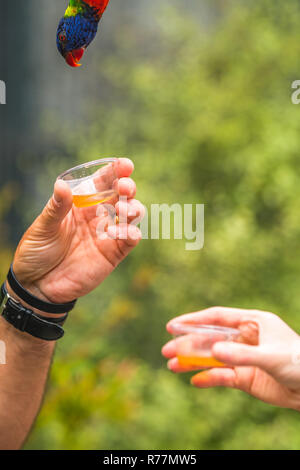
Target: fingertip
{"x":171,"y":364}
{"x":168,"y":350}
{"x":126,"y":187}
{"x":136,"y":209}
{"x":62,"y":192}
{"x":169,"y":327}
{"x":134,"y":234}
{"x":125,"y":167}
{"x":200,"y":380}
{"x":57,"y":207}
{"x":177,"y":328}
{"x":132,"y":210}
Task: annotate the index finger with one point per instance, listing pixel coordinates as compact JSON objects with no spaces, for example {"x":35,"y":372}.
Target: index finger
{"x":219,"y":316}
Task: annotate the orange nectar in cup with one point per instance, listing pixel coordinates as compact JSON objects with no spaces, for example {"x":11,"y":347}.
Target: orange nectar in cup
{"x":92,"y":199}
{"x":199,"y":361}
{"x":194,"y":344}
{"x":92,"y":183}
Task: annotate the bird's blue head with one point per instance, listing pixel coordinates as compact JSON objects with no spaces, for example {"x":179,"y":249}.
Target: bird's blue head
{"x":74,"y":34}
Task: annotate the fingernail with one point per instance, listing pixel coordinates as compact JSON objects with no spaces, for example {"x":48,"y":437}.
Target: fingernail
{"x":56,"y":196}
{"x":58,"y":200}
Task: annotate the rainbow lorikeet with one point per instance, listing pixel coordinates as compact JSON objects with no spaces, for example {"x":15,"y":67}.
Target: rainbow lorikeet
{"x":78,"y":28}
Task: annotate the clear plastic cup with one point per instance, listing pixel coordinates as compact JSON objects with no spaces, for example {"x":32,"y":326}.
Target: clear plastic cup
{"x":194,"y":343}
{"x":92,"y":183}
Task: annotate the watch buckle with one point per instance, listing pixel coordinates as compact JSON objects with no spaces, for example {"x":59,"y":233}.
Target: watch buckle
{"x":4,"y":302}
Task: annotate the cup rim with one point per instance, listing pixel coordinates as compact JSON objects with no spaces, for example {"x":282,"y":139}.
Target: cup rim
{"x":87,"y":165}
{"x":186,"y":328}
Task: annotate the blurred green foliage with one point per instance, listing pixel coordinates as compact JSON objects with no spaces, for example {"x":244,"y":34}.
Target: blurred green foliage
{"x":206,"y":115}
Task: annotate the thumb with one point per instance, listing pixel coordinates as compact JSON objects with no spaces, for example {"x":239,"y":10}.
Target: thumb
{"x":57,"y":207}
{"x":237,"y":354}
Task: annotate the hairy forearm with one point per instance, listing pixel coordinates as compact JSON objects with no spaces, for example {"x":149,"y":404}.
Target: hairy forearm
{"x":22,"y":382}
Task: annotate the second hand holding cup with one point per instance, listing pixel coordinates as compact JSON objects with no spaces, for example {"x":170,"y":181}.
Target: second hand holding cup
{"x":92,"y":183}
{"x":194,"y":343}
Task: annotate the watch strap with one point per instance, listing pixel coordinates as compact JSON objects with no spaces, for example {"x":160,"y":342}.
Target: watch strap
{"x":35,"y":302}
{"x":27,"y":321}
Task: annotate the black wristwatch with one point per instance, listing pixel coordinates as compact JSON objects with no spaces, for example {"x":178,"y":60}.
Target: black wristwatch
{"x":24,"y":319}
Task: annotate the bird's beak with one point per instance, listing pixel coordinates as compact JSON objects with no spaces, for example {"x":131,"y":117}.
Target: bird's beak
{"x":73,"y":57}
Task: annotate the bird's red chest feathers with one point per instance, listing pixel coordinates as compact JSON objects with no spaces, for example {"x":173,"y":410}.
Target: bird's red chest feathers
{"x":100,"y":5}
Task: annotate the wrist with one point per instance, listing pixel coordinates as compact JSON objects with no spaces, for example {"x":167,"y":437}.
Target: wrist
{"x":33,"y":296}
{"x":24,"y":319}
{"x":25,"y":280}
{"x":36,"y":292}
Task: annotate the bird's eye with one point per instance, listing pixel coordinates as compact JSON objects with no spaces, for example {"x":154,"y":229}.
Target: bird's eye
{"x":62,"y":36}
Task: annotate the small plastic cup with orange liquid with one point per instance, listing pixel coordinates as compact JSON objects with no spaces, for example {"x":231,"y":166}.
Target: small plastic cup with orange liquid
{"x":92,"y":183}
{"x":194,"y":343}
